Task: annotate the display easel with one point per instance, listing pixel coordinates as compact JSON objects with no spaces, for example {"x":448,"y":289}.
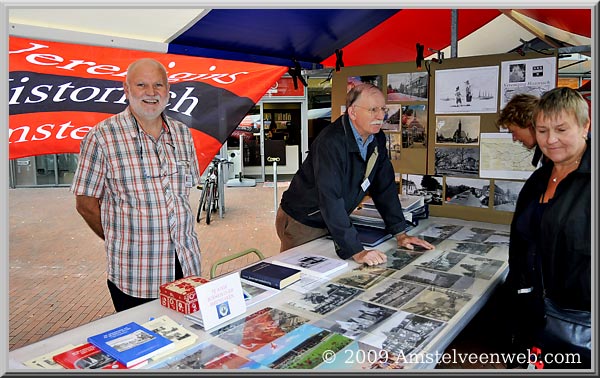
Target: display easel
{"x":241,"y":180}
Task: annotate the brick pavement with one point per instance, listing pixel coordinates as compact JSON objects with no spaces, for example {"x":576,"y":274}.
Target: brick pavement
{"x":57,"y":272}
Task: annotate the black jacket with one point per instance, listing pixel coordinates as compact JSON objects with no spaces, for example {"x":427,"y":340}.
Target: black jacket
{"x":564,"y":241}
{"x":327,"y":187}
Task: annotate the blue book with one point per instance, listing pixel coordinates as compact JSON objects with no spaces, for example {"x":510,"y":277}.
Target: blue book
{"x":272,"y":275}
{"x":131,"y":343}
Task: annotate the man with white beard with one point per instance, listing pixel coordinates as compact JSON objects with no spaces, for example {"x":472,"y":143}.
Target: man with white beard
{"x":132,"y":187}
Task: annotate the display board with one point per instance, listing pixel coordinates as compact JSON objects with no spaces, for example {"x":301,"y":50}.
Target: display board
{"x":441,"y":128}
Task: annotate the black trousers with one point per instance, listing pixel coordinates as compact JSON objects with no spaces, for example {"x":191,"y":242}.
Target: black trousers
{"x":123,"y":301}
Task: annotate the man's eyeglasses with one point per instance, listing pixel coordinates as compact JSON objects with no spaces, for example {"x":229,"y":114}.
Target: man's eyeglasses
{"x":376,"y":109}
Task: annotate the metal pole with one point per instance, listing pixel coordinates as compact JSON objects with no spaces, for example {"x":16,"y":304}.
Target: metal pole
{"x":275,"y":185}
{"x":221,"y":188}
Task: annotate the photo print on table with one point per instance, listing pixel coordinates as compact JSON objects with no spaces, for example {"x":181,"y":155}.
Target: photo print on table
{"x":467,"y":192}
{"x":407,"y":86}
{"x":259,"y":328}
{"x":437,"y":304}
{"x":460,"y":161}
{"x":443,"y":280}
{"x":355,"y":318}
{"x":481,"y":235}
{"x":399,"y":258}
{"x":478,"y":267}
{"x":404,"y":333}
{"x":325,"y":298}
{"x":414,"y":126}
{"x":479,"y":249}
{"x":440,"y":260}
{"x":393,"y":293}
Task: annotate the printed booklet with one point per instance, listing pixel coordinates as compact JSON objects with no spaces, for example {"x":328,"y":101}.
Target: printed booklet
{"x":315,"y":265}
{"x":131,"y":343}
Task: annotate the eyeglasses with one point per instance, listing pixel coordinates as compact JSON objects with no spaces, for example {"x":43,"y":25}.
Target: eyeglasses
{"x":376,"y":109}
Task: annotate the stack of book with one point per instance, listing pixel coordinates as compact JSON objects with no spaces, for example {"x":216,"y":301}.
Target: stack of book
{"x":414,"y":208}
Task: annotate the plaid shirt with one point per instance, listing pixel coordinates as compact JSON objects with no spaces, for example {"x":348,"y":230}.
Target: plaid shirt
{"x":144,"y":200}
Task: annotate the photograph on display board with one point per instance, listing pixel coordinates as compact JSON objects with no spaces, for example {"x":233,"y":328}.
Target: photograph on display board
{"x":391,"y":121}
{"x":355,"y":319}
{"x":467,"y":192}
{"x":408,"y":86}
{"x":394,"y":144}
{"x":502,"y":157}
{"x":427,"y":186}
{"x":438,"y":304}
{"x":457,"y":161}
{"x":414,"y":126}
{"x":393,"y":293}
{"x":506,"y":194}
{"x":466,"y":90}
{"x":531,"y":76}
{"x":457,"y":130}
{"x":404,"y":333}
{"x":353,"y":81}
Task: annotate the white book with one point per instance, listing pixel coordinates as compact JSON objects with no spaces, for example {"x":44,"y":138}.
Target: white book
{"x":315,"y":265}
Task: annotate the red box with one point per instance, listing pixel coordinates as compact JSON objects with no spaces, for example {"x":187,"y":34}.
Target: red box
{"x":180,"y":295}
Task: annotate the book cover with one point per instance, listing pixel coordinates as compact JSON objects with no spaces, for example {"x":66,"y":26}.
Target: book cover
{"x":371,"y":236}
{"x":87,"y":356}
{"x":276,"y":276}
{"x":167,"y":327}
{"x":46,"y":361}
{"x":316,"y":265}
{"x":131,"y":343}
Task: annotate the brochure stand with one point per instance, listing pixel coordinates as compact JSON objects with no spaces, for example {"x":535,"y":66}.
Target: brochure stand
{"x":241,"y":180}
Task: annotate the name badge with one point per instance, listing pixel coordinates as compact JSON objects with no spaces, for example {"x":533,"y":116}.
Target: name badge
{"x":365,"y":184}
{"x":188,"y":180}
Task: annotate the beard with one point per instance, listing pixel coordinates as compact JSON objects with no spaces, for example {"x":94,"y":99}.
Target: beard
{"x":147,"y":110}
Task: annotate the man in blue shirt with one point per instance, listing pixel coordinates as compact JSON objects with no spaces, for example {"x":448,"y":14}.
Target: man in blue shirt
{"x":347,"y":160}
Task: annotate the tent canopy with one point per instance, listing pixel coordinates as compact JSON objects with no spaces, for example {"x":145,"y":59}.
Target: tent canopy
{"x":308,"y":36}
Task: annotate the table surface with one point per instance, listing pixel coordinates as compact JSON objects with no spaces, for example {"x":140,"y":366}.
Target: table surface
{"x":478,"y":290}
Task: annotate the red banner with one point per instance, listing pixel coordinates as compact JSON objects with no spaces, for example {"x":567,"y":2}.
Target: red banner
{"x":59,"y":91}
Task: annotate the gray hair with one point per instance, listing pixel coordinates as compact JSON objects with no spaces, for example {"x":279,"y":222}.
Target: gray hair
{"x":563,"y":99}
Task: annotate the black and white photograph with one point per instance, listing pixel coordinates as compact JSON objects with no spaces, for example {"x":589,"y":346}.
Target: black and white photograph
{"x":467,"y":192}
{"x":377,"y":270}
{"x":129,"y":341}
{"x":325,"y":298}
{"x":506,"y":193}
{"x":391,"y":121}
{"x":414,"y":126}
{"x":502,"y":157}
{"x":457,"y":130}
{"x":353,"y":81}
{"x":437,"y":304}
{"x":532,"y":76}
{"x":472,"y":234}
{"x":467,"y":90}
{"x":439,"y":230}
{"x":394,"y":144}
{"x":478,"y":249}
{"x":399,"y":258}
{"x":404,"y":333}
{"x":359,"y":279}
{"x":408,"y":86}
{"x":478,"y":267}
{"x":461,"y":161}
{"x":427,"y":186}
{"x":355,"y":319}
{"x":393,"y":293}
{"x":440,"y":260}
{"x":440,"y":279}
